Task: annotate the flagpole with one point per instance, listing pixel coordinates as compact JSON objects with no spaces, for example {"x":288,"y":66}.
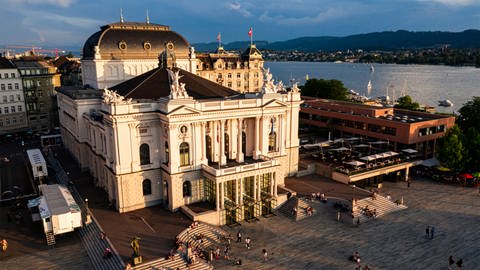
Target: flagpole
{"x":251,"y":39}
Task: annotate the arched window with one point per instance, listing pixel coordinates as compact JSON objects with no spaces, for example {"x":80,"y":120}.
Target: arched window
{"x":167,"y":153}
{"x":144,"y":154}
{"x":184,"y":154}
{"x":272,"y":141}
{"x":187,"y":189}
{"x":147,"y":187}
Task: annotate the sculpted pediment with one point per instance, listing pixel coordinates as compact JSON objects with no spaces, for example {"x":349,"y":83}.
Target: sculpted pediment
{"x":275,"y":104}
{"x":184,"y":110}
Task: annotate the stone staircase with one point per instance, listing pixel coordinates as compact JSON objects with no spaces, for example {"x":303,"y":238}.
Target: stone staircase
{"x":50,"y":238}
{"x":300,"y":203}
{"x":177,"y":263}
{"x":213,"y":236}
{"x":89,"y":233}
{"x":382,"y":205}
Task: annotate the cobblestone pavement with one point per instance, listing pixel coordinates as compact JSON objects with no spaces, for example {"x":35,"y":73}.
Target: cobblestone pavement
{"x":396,"y":241}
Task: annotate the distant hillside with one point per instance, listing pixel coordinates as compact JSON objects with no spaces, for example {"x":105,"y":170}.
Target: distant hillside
{"x":389,"y":40}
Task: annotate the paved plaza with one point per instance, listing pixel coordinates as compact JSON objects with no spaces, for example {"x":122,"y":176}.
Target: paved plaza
{"x":395,"y":241}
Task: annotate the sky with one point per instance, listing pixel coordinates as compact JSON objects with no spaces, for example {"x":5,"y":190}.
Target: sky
{"x":68,"y":23}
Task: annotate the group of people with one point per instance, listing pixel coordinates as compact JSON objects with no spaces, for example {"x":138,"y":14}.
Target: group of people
{"x":318,"y":196}
{"x":429,"y":232}
{"x":451,"y":263}
{"x":368,"y":212}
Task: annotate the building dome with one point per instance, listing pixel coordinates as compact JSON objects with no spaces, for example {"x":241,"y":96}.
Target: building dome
{"x":130,"y":40}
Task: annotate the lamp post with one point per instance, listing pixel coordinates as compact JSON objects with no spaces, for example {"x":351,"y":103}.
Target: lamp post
{"x":88,"y":219}
{"x":353,"y":197}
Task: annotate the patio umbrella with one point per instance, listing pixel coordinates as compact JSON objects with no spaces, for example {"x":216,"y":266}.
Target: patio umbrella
{"x":409,"y":151}
{"x":340,"y":149}
{"x":368,"y":158}
{"x":379,"y":142}
{"x":466,"y":175}
{"x":391,"y":153}
{"x":443,"y":169}
{"x":352,"y":139}
{"x":361,"y":145}
{"x":355,"y":163}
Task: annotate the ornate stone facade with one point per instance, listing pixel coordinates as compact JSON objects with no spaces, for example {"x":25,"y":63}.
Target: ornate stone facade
{"x":230,"y":152}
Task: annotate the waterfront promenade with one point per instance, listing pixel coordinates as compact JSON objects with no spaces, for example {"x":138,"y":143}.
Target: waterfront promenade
{"x":396,"y":241}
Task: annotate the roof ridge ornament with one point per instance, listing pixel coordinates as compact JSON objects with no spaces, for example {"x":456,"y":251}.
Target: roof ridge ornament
{"x":147,"y":19}
{"x":112,"y":97}
{"x":121,"y":16}
{"x":177,"y":88}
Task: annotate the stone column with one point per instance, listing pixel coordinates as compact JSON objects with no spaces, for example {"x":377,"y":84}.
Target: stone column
{"x":256,"y":151}
{"x":223,"y":158}
{"x":275,"y":185}
{"x":239,"y":140}
{"x":241,"y":191}
{"x":237,"y":189}
{"x":214,"y":133}
{"x":203,"y":137}
{"x":283,"y":125}
{"x":217,"y":194}
{"x":272,"y":181}
{"x":222,"y":195}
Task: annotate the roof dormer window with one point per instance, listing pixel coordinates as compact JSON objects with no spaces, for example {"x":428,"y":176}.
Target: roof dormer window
{"x":122,"y":45}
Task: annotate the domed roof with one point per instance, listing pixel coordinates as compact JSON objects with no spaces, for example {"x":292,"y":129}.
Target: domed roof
{"x":131,"y":40}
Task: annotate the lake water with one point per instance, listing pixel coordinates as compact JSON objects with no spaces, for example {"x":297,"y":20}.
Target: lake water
{"x":425,"y":84}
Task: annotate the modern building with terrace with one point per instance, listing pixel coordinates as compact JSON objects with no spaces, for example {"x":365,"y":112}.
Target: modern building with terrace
{"x":401,"y":128}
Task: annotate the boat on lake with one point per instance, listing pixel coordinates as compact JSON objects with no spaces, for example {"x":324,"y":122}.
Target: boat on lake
{"x":445,"y":103}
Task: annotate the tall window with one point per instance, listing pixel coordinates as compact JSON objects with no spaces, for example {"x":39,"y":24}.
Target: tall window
{"x":272,"y":141}
{"x":167,"y":153}
{"x":184,"y":154}
{"x":226,"y":144}
{"x":147,"y":187}
{"x":208,"y":143}
{"x":144,"y":154}
{"x":187,"y":189}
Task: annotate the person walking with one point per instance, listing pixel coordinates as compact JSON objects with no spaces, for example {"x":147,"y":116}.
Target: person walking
{"x":432,"y":232}
{"x":239,"y":237}
{"x":450,"y":262}
{"x":4,"y":245}
{"x":265,"y":255}
{"x":427,"y":232}
{"x":247,"y":242}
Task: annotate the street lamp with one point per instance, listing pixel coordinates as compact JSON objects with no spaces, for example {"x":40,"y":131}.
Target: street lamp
{"x":86,"y":204}
{"x":353,"y":194}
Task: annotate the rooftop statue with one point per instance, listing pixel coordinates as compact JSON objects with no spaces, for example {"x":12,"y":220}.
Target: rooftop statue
{"x":268,"y":85}
{"x":112,"y":97}
{"x":295,"y":88}
{"x":177,"y":89}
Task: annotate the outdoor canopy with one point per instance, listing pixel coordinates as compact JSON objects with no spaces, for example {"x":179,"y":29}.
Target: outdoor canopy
{"x":410,"y":151}
{"x":355,"y":163}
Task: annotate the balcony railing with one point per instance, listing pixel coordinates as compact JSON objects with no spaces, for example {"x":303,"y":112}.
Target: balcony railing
{"x":241,"y":167}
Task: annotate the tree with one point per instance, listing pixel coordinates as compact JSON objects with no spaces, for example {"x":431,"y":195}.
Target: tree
{"x":470,"y":115}
{"x":472,"y":139}
{"x":450,"y":150}
{"x":329,"y":89}
{"x":406,"y":103}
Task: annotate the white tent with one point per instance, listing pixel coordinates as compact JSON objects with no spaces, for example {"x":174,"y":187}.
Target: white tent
{"x":391,"y":153}
{"x":368,"y":158}
{"x":409,"y":151}
{"x":355,"y":163}
{"x":379,"y":142}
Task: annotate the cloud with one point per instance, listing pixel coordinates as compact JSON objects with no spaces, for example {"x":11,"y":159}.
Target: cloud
{"x":35,"y":18}
{"x":60,"y":3}
{"x":329,"y":14}
{"x":235,"y":6}
{"x":453,"y":2}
